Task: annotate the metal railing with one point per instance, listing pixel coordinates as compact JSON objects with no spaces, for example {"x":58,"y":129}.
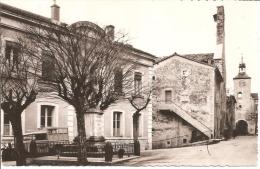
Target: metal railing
{"x":7,"y":129}
{"x":44,"y":147}
{"x":71,"y":150}
{"x":128,"y":147}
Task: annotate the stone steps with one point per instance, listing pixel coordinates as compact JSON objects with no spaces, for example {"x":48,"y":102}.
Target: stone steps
{"x":186,"y":116}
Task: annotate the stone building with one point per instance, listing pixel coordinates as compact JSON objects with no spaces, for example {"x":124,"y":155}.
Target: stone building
{"x":189,"y":101}
{"x":255,"y":109}
{"x":247,"y":102}
{"x":48,"y":112}
{"x":230,"y":124}
{"x":219,"y":62}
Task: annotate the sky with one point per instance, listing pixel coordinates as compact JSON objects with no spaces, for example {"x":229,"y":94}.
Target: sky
{"x":166,"y":26}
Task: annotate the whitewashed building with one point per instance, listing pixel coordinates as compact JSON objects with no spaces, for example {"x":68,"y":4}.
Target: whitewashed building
{"x":48,"y":112}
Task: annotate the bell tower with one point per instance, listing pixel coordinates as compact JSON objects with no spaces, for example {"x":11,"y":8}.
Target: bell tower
{"x":242,"y":82}
{"x":242,"y":66}
{"x":242,"y":93}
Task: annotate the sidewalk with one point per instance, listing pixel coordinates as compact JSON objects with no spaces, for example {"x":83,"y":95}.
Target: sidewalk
{"x":8,"y":163}
{"x":68,"y":161}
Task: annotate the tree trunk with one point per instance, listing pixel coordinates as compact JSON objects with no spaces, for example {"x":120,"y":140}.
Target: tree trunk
{"x":82,"y":151}
{"x":18,"y":135}
{"x":136,"y":133}
{"x":136,"y":125}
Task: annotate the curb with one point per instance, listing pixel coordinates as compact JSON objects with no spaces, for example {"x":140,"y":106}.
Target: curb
{"x":52,"y":162}
{"x":124,"y":160}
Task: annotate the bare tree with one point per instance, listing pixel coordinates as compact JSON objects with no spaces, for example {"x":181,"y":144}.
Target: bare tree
{"x":89,"y":68}
{"x":18,"y":87}
{"x":139,"y":99}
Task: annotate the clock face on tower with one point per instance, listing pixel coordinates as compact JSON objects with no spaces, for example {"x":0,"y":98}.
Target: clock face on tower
{"x":242,"y":83}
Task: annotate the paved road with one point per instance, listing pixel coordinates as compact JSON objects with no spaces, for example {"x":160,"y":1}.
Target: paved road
{"x":241,"y":151}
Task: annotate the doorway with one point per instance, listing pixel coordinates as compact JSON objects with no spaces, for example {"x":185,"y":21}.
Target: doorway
{"x":241,"y":128}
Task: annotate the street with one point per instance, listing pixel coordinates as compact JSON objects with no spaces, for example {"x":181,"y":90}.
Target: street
{"x":241,"y":151}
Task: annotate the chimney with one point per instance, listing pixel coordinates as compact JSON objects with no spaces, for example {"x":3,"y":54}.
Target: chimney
{"x":55,"y":11}
{"x":110,"y":32}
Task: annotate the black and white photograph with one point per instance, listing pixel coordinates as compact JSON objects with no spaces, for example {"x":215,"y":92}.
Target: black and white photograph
{"x":129,"y":83}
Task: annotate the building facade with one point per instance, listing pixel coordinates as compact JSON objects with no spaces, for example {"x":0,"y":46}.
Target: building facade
{"x":230,"y":125}
{"x":247,"y":102}
{"x":187,"y":104}
{"x":190,"y":95}
{"x":48,"y":111}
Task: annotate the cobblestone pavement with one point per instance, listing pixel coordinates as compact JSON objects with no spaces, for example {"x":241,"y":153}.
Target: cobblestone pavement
{"x":241,"y":151}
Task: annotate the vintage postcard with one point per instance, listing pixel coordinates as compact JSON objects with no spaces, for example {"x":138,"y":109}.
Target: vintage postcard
{"x":129,"y":83}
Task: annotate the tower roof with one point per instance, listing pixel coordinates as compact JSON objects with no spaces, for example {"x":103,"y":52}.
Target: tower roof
{"x":242,"y":65}
{"x":242,"y":71}
{"x":242,"y":75}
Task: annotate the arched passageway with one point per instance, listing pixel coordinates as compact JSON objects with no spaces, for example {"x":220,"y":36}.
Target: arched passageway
{"x":241,"y":128}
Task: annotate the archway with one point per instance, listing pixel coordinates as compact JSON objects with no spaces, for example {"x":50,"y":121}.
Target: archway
{"x":241,"y":128}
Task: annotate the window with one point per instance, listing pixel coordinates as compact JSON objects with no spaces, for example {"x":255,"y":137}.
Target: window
{"x":240,"y":106}
{"x":7,"y":125}
{"x":48,"y":67}
{"x":168,"y":96}
{"x":46,"y":115}
{"x":12,"y":51}
{"x":138,"y":83}
{"x":116,"y":124}
{"x":118,"y":80}
{"x":239,"y":95}
{"x":184,"y":140}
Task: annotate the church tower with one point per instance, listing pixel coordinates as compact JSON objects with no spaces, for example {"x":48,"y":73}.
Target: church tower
{"x":242,"y":92}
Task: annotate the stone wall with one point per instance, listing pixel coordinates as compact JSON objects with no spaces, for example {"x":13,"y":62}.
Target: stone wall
{"x":169,"y":130}
{"x":244,"y":107}
{"x":230,"y":125}
{"x":220,"y":24}
{"x":192,"y":86}
{"x":220,"y":105}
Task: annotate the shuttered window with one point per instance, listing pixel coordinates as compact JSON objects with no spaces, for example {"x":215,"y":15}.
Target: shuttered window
{"x":12,"y":55}
{"x":138,"y":83}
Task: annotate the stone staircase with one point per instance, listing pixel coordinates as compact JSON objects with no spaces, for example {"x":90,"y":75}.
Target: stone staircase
{"x":186,"y":116}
